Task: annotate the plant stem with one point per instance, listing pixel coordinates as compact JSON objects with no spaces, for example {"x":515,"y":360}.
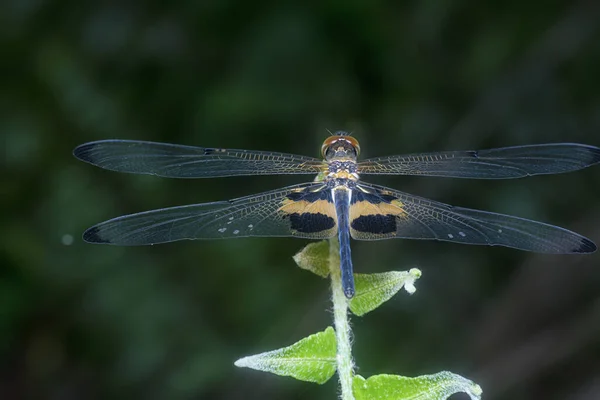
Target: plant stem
{"x":342,"y":325}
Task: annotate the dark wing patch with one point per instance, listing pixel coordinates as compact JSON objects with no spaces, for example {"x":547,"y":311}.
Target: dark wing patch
{"x":374,"y":214}
{"x":374,"y":224}
{"x":310,"y":211}
{"x":178,"y":161}
{"x":426,"y":219}
{"x":257,"y":215}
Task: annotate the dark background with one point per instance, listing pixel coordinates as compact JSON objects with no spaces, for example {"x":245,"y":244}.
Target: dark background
{"x":79,"y":321}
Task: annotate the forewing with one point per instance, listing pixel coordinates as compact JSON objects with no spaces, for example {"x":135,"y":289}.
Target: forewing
{"x":380,"y":213}
{"x":177,"y":161}
{"x":304,"y":210}
{"x":501,"y":163}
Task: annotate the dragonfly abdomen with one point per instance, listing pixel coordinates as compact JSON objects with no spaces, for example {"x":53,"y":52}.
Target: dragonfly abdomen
{"x":341,"y":199}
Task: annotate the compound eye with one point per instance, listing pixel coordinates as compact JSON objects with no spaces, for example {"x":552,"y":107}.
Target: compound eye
{"x":327,"y":144}
{"x":330,"y":142}
{"x":354,"y":144}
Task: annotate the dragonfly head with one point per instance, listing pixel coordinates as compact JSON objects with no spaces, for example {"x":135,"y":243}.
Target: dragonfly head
{"x":340,"y":145}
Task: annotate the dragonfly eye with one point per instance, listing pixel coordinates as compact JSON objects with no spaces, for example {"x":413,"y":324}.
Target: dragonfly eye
{"x":354,"y":144}
{"x":332,"y":143}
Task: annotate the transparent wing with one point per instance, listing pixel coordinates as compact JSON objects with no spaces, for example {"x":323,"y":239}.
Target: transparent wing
{"x":177,"y":161}
{"x":501,"y":163}
{"x":385,"y":213}
{"x":283,"y":212}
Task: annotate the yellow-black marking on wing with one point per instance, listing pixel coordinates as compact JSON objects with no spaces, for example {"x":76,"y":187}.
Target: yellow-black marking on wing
{"x":264,"y":214}
{"x":310,"y":212}
{"x":374,"y":214}
{"x":421,"y":218}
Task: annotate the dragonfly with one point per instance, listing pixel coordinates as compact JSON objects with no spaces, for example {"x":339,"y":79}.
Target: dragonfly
{"x":337,"y":201}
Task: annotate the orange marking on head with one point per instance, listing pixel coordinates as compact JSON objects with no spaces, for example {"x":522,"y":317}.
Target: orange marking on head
{"x":332,"y":140}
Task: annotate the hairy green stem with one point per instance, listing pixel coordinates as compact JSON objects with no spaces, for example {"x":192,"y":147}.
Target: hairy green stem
{"x":342,"y":326}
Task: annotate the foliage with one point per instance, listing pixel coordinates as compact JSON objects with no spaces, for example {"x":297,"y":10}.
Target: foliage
{"x":315,"y":359}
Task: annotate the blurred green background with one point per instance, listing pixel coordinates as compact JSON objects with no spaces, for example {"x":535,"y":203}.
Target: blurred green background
{"x":79,"y":321}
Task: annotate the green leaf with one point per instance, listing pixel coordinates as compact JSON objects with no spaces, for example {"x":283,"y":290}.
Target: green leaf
{"x":312,"y":359}
{"x":372,"y":290}
{"x":315,"y":258}
{"x":439,"y":386}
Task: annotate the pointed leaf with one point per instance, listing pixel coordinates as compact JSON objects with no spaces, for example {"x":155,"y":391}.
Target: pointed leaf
{"x":314,"y":258}
{"x":372,"y":290}
{"x":439,"y":386}
{"x":311,"y":359}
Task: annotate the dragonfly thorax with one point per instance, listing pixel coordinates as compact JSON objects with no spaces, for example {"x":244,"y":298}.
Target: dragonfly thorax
{"x":342,"y":170}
